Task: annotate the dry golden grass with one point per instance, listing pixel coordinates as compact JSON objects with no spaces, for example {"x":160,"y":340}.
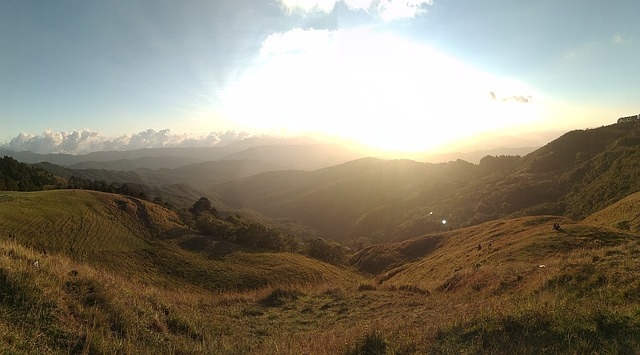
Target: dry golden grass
{"x":623,"y":214}
{"x":437,"y":294}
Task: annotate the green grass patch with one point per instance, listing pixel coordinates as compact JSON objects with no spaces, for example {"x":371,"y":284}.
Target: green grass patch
{"x":543,"y":331}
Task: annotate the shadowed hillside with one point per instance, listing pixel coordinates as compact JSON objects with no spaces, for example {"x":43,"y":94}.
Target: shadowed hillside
{"x":390,"y":200}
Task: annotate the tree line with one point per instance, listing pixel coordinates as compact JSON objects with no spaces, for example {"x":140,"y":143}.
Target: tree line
{"x":17,"y":176}
{"x":254,"y":235}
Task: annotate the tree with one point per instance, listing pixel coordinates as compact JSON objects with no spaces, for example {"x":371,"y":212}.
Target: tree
{"x":330,"y":252}
{"x":203,"y":205}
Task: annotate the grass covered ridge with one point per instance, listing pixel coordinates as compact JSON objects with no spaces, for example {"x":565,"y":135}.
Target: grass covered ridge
{"x":80,"y":222}
{"x":506,"y":286}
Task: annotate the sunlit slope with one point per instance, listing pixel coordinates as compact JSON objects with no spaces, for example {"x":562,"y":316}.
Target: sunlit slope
{"x":145,"y":241}
{"x":220,"y":266}
{"x":624,"y":214}
{"x":519,"y":255}
{"x":82,"y":221}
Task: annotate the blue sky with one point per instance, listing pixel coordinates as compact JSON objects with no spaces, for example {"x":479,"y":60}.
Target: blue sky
{"x":407,"y":75}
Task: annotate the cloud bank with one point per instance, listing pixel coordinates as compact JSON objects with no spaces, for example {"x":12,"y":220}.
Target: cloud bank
{"x":388,"y":10}
{"x":87,"y":141}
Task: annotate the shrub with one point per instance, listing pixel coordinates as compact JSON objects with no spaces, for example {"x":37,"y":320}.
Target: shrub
{"x":367,"y":287}
{"x":279,"y":297}
{"x":372,"y":343}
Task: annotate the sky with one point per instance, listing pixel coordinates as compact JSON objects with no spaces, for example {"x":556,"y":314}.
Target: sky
{"x":406,"y":75}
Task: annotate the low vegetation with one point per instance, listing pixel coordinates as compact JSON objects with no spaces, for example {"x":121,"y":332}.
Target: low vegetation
{"x":507,"y":286}
{"x":16,"y":176}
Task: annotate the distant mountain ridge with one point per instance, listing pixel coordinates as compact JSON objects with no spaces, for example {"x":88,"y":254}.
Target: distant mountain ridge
{"x":574,"y":175}
{"x":289,"y":153}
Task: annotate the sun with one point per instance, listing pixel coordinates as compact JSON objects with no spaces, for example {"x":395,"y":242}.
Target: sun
{"x":376,"y":88}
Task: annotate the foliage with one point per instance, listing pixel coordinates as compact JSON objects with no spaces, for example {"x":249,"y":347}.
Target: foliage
{"x":126,"y":189}
{"x":203,"y":205}
{"x":245,"y":233}
{"x":16,"y":176}
{"x":328,"y":251}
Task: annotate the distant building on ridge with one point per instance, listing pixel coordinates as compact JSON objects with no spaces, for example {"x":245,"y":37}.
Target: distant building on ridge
{"x":628,"y":119}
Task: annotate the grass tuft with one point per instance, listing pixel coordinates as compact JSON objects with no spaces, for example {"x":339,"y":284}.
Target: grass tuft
{"x":280,"y":297}
{"x":372,"y":343}
{"x":367,"y":286}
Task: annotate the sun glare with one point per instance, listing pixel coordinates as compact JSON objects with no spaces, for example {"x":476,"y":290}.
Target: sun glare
{"x":375,"y":88}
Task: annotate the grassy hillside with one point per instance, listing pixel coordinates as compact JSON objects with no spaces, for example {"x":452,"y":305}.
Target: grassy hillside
{"x":624,"y":215}
{"x":93,"y":272}
{"x":145,"y":241}
{"x":517,"y":286}
{"x":79,"y":221}
{"x":506,"y":286}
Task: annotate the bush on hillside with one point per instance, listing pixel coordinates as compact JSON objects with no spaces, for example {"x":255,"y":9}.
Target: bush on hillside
{"x":248,"y":234}
{"x":324,"y":250}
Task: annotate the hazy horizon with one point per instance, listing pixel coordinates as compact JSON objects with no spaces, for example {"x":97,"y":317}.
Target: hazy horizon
{"x":390,"y":75}
{"x":86,"y":141}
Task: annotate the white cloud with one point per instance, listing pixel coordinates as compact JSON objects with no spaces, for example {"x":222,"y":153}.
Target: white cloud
{"x":388,"y":10}
{"x":297,"y":40}
{"x":518,"y":98}
{"x":397,"y":9}
{"x":619,"y":39}
{"x":86,"y":141}
{"x":309,"y":5}
{"x":359,"y":4}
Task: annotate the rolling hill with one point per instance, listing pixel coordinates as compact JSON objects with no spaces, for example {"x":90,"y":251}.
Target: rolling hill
{"x":522,"y":286}
{"x":505,"y":286}
{"x":144,"y":241}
